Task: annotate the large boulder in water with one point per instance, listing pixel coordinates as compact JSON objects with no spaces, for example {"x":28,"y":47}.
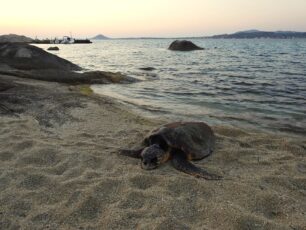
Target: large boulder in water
{"x":183,"y":45}
{"x":27,"y":57}
{"x":53,"y":48}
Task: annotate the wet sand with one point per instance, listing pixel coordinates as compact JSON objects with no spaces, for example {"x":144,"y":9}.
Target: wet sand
{"x":60,"y":169}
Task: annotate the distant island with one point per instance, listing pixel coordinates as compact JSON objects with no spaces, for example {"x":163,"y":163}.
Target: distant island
{"x":100,"y":37}
{"x":249,"y":34}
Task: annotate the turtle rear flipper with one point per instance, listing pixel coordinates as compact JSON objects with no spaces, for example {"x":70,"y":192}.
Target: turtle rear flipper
{"x":180,"y":162}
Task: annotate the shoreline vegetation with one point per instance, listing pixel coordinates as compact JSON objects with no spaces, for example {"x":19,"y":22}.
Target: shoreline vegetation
{"x":60,"y":167}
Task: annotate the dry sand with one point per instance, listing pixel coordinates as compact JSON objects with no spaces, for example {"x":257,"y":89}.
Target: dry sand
{"x":64,"y":172}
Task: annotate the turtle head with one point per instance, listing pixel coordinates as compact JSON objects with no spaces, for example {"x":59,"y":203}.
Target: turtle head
{"x":151,"y":157}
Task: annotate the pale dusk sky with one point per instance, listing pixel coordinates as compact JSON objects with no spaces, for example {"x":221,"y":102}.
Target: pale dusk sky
{"x":157,"y":18}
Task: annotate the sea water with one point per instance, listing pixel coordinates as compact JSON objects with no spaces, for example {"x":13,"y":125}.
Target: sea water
{"x":257,"y":83}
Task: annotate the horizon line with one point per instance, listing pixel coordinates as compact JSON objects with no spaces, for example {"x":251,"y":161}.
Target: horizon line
{"x":160,"y":37}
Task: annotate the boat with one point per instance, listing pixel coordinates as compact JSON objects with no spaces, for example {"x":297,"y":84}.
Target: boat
{"x":67,"y":40}
{"x":64,"y":40}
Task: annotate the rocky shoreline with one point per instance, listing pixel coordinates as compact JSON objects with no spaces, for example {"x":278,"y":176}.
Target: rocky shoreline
{"x":29,"y":62}
{"x":60,"y":167}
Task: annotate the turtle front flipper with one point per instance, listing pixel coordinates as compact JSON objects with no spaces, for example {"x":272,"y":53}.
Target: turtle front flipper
{"x":135,"y":153}
{"x":181,"y":163}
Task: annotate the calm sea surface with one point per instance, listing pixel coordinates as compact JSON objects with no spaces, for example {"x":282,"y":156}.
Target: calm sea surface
{"x":257,"y":83}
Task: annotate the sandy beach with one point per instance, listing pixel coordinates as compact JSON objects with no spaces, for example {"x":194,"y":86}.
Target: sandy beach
{"x":60,"y":168}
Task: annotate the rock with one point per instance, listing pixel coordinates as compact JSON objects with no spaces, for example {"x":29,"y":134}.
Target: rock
{"x":27,"y":57}
{"x":103,"y":77}
{"x":71,"y":77}
{"x":5,"y":85}
{"x":14,"y":38}
{"x":26,"y":61}
{"x":23,"y":53}
{"x":183,"y":45}
{"x":53,"y":48}
{"x":147,"y":68}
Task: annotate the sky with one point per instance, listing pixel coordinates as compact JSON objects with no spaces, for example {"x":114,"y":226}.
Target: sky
{"x":148,"y":18}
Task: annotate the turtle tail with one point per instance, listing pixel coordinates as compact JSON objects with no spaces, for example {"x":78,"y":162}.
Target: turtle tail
{"x":181,"y":163}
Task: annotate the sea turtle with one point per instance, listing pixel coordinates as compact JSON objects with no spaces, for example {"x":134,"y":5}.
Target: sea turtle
{"x":179,"y":142}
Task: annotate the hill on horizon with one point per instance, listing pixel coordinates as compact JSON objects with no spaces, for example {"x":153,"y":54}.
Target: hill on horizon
{"x":249,"y":34}
{"x":100,"y":37}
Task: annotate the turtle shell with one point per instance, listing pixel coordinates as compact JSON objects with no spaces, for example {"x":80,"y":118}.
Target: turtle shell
{"x":196,"y":139}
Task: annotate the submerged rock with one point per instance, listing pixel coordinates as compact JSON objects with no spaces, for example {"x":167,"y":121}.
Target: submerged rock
{"x":72,"y":78}
{"x":103,"y":77}
{"x":183,"y":45}
{"x":53,"y":48}
{"x":147,"y":68}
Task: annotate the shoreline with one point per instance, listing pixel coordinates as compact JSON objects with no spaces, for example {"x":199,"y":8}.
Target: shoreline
{"x":290,"y":133}
{"x":60,"y":168}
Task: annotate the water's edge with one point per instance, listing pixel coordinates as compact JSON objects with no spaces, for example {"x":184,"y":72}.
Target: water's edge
{"x":259,"y":83}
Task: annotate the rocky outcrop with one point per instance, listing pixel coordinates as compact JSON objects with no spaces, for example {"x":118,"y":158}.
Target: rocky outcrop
{"x":14,"y":38}
{"x":53,"y":48}
{"x":27,"y":57}
{"x":183,"y":45}
{"x":26,"y":61}
{"x":72,"y":78}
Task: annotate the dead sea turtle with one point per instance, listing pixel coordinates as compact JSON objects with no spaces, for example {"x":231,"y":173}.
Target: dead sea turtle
{"x":179,"y":143}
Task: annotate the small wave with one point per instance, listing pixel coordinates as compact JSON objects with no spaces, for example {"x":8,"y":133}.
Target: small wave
{"x":238,"y":76}
{"x":292,"y":129}
{"x":192,"y":93}
{"x":235,"y":118}
{"x":270,"y":118}
{"x":150,"y":108}
{"x":206,"y":94}
{"x":295,"y":62}
{"x":242,"y":83}
{"x":263,"y":55}
{"x":293,"y":74}
{"x":267,"y":84}
{"x":251,"y":91}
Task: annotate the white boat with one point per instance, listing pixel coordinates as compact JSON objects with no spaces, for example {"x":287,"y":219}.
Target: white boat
{"x":67,"y":40}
